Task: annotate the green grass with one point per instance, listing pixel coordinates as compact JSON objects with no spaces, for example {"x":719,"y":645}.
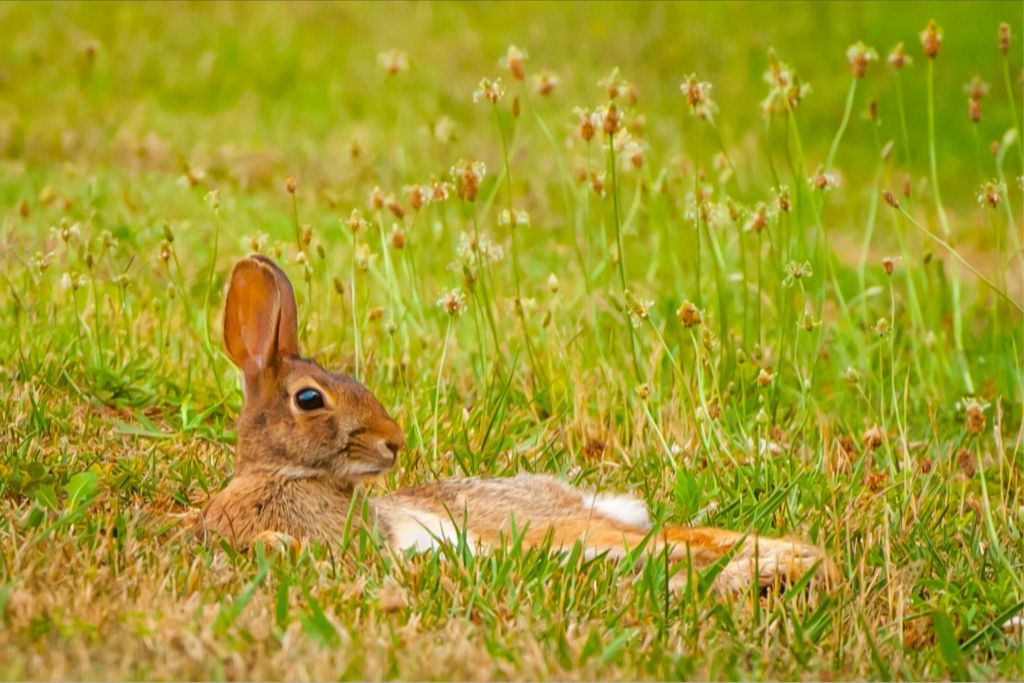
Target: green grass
{"x":862,"y":389}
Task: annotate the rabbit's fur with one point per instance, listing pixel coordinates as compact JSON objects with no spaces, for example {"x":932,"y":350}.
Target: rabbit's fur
{"x":297,"y":469}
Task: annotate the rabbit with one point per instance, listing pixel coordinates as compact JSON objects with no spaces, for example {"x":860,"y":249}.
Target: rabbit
{"x":308,"y":437}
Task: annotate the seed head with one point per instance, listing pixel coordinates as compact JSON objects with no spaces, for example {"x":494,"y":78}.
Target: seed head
{"x":782,"y":200}
{"x":889,"y":263}
{"x":290,"y":184}
{"x":797,"y":271}
{"x":758,"y":220}
{"x":859,"y":55}
{"x":785,"y":90}
{"x":823,"y":181}
{"x":881,"y":327}
{"x":764,"y":377}
{"x":363,"y":256}
{"x":990,"y":194}
{"x":873,"y":437}
{"x":393,"y":61}
{"x":974,"y":110}
{"x":452,"y":303}
{"x":931,"y":40}
{"x":553,"y":283}
{"x":974,"y":416}
{"x":1004,"y":38}
{"x":898,"y":58}
{"x":439,"y":191}
{"x":689,"y":315}
{"x":489,"y":90}
{"x":397,"y":237}
{"x":515,"y":61}
{"x":472,"y":247}
{"x":417,"y":195}
{"x":545,"y":82}
{"x":610,"y":118}
{"x":890,"y":199}
{"x":467,"y":176}
{"x":597,"y":183}
{"x":355,"y":221}
{"x":698,"y":97}
{"x":977,"y":89}
{"x":377,"y":198}
{"x":617,"y":87}
{"x":638,"y":308}
{"x":643,"y":391}
{"x":588,"y":123}
{"x":394,"y":206}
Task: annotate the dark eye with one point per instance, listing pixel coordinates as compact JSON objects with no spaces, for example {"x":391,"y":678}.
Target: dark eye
{"x":309,"y":399}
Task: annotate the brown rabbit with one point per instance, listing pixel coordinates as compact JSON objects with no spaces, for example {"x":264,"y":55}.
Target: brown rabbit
{"x":307,"y":437}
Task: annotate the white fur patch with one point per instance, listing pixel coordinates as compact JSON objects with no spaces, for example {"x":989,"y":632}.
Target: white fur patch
{"x":624,"y":509}
{"x":297,"y":472}
{"x":422,"y":531}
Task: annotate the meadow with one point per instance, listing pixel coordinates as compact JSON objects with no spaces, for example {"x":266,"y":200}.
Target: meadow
{"x":758,"y":264}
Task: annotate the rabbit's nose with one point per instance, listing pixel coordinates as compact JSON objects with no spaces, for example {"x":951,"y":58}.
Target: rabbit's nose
{"x":389,"y":449}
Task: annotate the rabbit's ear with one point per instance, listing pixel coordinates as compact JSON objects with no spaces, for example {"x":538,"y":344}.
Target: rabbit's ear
{"x":287,"y":326}
{"x":252,"y":316}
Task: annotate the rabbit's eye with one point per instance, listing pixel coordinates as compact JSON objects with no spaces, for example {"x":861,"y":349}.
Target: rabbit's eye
{"x":309,"y":399}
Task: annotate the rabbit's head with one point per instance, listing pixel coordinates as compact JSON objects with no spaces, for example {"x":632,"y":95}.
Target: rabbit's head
{"x":298,"y":420}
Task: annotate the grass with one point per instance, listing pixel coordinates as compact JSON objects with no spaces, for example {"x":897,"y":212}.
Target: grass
{"x":877,"y":415}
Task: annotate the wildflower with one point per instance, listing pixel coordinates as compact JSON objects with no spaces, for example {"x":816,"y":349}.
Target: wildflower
{"x":439,"y":191}
{"x":822,"y":180}
{"x":597,"y":183}
{"x":258,"y":242}
{"x":452,"y":303}
{"x":290,"y":184}
{"x":393,"y":61}
{"x":631,"y":151}
{"x":974,"y":110}
{"x":356,"y":222}
{"x":1004,"y":38}
{"x":489,"y":90}
{"x":764,"y":377}
{"x":965,"y":461}
{"x":514,"y":60}
{"x":782,"y":200}
{"x":890,"y":199}
{"x":67,"y":231}
{"x":470,"y":247}
{"x":758,"y":219}
{"x":881,"y":327}
{"x":785,"y":90}
{"x":165,"y":251}
{"x":689,"y":315}
{"x":698,"y":97}
{"x":363,"y":256}
{"x":797,"y":271}
{"x":643,"y":391}
{"x":808,"y":322}
{"x":990,"y":194}
{"x":443,"y":130}
{"x":467,"y":176}
{"x":587,"y":123}
{"x":377,"y":198}
{"x":638,"y":308}
{"x":898,"y":58}
{"x":545,"y":82}
{"x":859,"y":55}
{"x":889,"y":264}
{"x":553,"y":283}
{"x":394,"y":206}
{"x":41,"y":262}
{"x":192,"y":177}
{"x":931,"y":40}
{"x":974,"y":416}
{"x":617,"y":87}
{"x":851,"y":375}
{"x":977,"y":89}
{"x":417,"y":195}
{"x":873,"y":437}
{"x":610,"y":118}
{"x":521,"y":218}
{"x":71,"y":281}
{"x":397,"y":237}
